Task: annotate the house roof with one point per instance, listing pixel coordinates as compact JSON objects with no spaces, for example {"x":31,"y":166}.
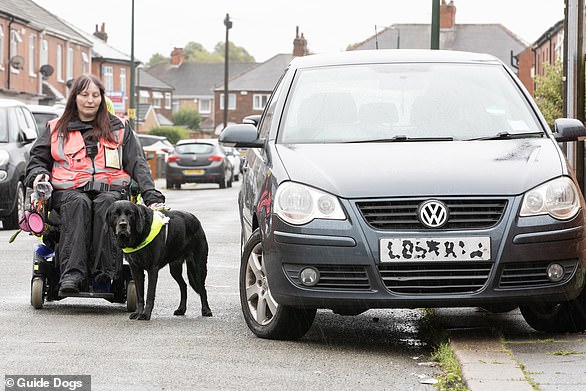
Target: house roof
{"x":101,"y":49}
{"x":41,"y":19}
{"x":493,"y":39}
{"x":141,"y":111}
{"x":146,"y":80}
{"x":196,"y":79}
{"x":263,"y":77}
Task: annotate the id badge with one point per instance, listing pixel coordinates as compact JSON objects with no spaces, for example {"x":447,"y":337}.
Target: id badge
{"x":112,"y":159}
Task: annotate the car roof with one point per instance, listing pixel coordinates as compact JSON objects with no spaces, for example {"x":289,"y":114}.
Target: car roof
{"x":151,"y":136}
{"x":10,"y":103}
{"x":45,"y":109}
{"x":198,"y":140}
{"x":391,"y":56}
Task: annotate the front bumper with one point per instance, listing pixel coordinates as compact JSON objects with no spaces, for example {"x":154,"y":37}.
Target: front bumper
{"x":346,"y":254}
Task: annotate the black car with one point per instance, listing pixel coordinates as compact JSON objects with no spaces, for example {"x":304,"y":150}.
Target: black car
{"x":198,"y":161}
{"x":18,"y":130}
{"x":407,"y":179}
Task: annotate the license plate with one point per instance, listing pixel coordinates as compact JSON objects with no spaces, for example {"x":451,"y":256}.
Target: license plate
{"x":193,"y":172}
{"x":435,"y":249}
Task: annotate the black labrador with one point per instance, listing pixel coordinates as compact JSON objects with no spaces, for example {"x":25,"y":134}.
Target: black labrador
{"x":181,"y":239}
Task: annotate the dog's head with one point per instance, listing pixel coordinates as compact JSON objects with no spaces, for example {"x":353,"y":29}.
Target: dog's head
{"x":128,"y":222}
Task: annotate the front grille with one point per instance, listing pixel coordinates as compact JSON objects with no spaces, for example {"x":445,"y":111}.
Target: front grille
{"x":435,"y":277}
{"x":402,"y":214}
{"x":533,"y":274}
{"x":333,"y":277}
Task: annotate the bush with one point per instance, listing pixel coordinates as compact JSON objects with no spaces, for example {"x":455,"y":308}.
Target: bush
{"x":173,"y":133}
{"x":189,"y":118}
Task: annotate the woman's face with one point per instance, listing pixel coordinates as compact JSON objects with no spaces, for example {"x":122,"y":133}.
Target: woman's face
{"x":88,"y":102}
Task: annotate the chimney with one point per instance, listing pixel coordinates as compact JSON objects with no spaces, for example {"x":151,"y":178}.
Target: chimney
{"x":299,"y":44}
{"x":177,"y":56}
{"x":101,"y":33}
{"x":447,"y":15}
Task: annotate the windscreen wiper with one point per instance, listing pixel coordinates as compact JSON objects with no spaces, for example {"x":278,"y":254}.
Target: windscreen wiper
{"x":507,"y":136}
{"x":400,"y":138}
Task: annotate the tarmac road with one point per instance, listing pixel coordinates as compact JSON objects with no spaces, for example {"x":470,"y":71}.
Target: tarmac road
{"x":378,"y":350}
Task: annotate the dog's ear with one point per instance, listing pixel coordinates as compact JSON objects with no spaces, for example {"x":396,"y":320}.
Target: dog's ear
{"x":141,"y":217}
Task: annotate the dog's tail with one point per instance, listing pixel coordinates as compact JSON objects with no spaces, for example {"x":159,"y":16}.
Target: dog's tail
{"x":197,"y":264}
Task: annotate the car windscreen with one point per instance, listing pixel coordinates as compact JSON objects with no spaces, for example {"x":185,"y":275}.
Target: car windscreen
{"x":3,"y":126}
{"x":417,"y":101}
{"x":194,"y":149}
{"x":42,"y":118}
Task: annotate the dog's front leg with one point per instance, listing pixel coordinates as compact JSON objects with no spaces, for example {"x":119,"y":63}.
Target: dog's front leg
{"x":138,"y":277}
{"x":153,"y":275}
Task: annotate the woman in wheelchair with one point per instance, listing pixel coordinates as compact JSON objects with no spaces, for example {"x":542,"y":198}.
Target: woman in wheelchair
{"x":90,"y":157}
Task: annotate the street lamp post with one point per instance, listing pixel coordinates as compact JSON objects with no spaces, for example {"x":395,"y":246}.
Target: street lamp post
{"x":132,"y":107}
{"x":228,"y":24}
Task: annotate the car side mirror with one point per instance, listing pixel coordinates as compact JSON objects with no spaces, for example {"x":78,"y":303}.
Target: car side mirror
{"x":253,"y":119}
{"x":568,"y":129}
{"x":241,"y":135}
{"x":28,"y":135}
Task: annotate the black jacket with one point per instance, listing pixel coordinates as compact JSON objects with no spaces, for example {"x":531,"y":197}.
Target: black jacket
{"x":133,"y":161}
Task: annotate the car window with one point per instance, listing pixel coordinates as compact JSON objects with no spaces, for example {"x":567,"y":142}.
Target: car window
{"x":4,"y":125}
{"x":42,"y":119}
{"x":265,"y":124}
{"x":422,"y":100}
{"x":194,"y":148}
{"x":27,"y":123}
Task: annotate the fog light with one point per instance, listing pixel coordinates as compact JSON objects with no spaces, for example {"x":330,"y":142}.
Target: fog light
{"x":555,"y":272}
{"x":309,"y":276}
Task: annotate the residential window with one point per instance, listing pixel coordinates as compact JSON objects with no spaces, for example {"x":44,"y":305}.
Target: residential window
{"x":143,"y":97}
{"x":108,"y":75}
{"x":123,"y":81}
{"x":14,"y":41}
{"x":1,"y":46}
{"x":59,"y":63}
{"x":31,"y":55}
{"x":167,"y":100}
{"x":205,"y":106}
{"x":69,"y":71}
{"x":176,"y":106}
{"x":231,"y":101}
{"x":259,"y":101}
{"x":85,"y":63}
{"x":44,"y":57}
{"x":157,"y":98}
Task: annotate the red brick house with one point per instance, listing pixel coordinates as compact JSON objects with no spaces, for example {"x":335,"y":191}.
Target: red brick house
{"x":30,"y":38}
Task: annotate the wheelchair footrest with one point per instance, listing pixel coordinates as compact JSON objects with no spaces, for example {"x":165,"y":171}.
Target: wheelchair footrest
{"x":92,"y":295}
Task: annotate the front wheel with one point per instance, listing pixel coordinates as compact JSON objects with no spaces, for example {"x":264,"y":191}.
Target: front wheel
{"x":564,"y":317}
{"x":264,"y":316}
{"x":37,"y":293}
{"x":11,"y":222}
{"x":131,"y":296}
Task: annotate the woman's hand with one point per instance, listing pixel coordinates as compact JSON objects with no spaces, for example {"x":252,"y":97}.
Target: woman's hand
{"x":40,"y":178}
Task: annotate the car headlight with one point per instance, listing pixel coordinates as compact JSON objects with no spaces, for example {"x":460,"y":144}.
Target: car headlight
{"x":4,"y":157}
{"x":559,"y":198}
{"x":299,"y":204}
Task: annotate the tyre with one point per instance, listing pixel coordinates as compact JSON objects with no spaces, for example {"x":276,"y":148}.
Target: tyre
{"x":11,"y":222}
{"x":37,"y":293}
{"x":131,"y":296}
{"x":222,"y":182}
{"x":263,"y":315}
{"x":170,"y":184}
{"x":564,"y":317}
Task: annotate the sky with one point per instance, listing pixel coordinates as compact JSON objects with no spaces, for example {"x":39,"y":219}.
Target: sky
{"x":267,"y":27}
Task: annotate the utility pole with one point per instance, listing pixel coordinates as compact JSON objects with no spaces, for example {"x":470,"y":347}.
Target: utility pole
{"x":131,"y":105}
{"x":574,"y":80}
{"x":435,"y":24}
{"x":228,"y":24}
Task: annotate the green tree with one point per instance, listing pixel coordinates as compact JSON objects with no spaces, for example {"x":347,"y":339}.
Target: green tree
{"x":235,"y":53}
{"x":548,"y":92}
{"x":173,"y":133}
{"x":155,"y":59}
{"x":188,"y":118}
{"x":195,"y":52}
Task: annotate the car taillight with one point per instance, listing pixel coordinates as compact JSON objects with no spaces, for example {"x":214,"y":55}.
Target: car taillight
{"x":215,"y":158}
{"x":172,"y":158}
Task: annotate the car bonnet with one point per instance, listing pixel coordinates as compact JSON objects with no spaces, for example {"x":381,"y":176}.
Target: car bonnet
{"x":499,"y":167}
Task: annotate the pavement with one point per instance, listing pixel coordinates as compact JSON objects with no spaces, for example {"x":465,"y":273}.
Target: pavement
{"x":502,"y":352}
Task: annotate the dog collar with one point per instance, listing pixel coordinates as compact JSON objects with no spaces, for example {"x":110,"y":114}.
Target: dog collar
{"x":159,"y":220}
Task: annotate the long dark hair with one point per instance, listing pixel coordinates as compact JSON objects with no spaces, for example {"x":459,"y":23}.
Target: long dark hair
{"x":101,"y":122}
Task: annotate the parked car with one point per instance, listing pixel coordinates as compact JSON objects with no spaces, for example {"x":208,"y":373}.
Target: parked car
{"x":18,"y":130}
{"x":235,"y":159}
{"x":43,"y":114}
{"x":406,"y":179}
{"x":158,"y":143}
{"x":198,"y":161}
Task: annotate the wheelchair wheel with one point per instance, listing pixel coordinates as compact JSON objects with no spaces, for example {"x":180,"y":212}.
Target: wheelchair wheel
{"x":131,"y":296}
{"x":37,"y":293}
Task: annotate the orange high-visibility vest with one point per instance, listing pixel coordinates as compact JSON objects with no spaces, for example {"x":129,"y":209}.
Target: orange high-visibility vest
{"x":72,"y":168}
